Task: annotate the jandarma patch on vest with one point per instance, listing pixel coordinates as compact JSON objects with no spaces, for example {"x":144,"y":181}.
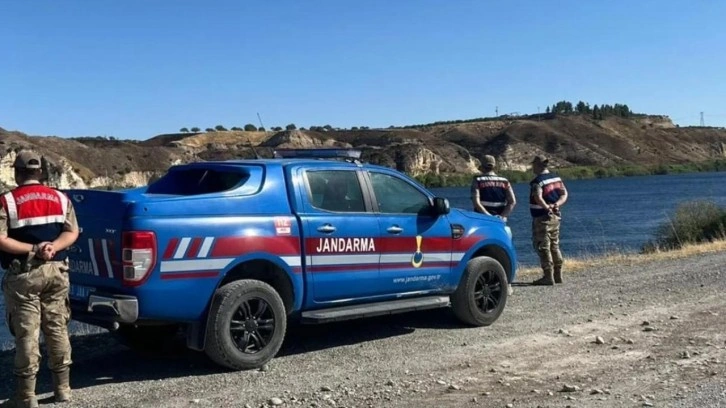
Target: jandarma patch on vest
{"x":36,"y":196}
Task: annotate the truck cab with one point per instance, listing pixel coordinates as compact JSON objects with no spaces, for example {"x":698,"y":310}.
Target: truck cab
{"x":230,"y":251}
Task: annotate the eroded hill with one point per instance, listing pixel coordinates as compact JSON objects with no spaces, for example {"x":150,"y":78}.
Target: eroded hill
{"x":440,"y":149}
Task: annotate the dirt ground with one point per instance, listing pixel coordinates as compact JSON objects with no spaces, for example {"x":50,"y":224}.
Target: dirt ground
{"x":649,"y":334}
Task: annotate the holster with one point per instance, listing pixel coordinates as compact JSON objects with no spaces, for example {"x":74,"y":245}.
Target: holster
{"x":22,"y":265}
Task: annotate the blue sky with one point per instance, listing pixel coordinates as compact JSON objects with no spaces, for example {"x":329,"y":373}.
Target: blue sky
{"x":137,"y":68}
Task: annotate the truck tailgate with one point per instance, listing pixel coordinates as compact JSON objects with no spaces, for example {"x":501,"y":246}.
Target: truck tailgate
{"x":95,"y":258}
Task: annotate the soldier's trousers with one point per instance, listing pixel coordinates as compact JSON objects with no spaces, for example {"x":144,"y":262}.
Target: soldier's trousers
{"x":546,"y":241}
{"x":38,"y":300}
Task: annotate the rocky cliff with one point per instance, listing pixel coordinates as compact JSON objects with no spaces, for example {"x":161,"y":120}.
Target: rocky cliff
{"x":443,"y":148}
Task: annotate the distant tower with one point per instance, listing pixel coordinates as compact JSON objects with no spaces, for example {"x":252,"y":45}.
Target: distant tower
{"x":702,"y":121}
{"x":496,"y":111}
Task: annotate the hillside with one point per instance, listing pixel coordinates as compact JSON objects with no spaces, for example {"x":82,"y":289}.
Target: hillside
{"x":572,"y":140}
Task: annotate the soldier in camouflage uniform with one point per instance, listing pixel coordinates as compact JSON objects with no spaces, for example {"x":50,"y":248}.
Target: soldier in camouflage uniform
{"x":547,"y":195}
{"x":37,"y":224}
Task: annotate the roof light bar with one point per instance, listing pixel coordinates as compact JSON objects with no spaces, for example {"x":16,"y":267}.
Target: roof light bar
{"x":317,"y":153}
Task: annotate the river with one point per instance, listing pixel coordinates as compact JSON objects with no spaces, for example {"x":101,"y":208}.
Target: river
{"x":606,"y":215}
{"x":601,"y":216}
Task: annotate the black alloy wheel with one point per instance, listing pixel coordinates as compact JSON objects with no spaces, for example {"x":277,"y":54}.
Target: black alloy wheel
{"x":488,"y":291}
{"x":253,"y":325}
{"x":481,"y":296}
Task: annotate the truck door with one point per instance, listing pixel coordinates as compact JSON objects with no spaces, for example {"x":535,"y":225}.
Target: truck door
{"x":415,"y":244}
{"x":341,"y":248}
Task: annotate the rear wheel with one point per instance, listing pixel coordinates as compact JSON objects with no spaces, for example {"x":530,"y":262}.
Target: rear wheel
{"x":482,"y":292}
{"x":247,"y":324}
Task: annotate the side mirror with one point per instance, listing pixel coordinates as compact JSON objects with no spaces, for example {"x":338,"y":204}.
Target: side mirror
{"x":441,"y":206}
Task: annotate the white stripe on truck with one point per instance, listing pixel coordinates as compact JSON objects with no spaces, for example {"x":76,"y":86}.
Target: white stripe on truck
{"x":182,"y":248}
{"x":92,"y":254}
{"x":206,"y":246}
{"x":104,"y":247}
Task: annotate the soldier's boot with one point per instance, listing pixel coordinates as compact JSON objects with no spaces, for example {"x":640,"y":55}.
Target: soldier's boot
{"x":558,"y":275}
{"x":25,"y":393}
{"x":62,"y":385}
{"x":546,"y":280}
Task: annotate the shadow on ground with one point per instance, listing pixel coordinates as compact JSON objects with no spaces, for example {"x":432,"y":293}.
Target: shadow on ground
{"x":100,"y":358}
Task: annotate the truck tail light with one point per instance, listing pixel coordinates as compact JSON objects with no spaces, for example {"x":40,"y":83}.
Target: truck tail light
{"x":138,"y":255}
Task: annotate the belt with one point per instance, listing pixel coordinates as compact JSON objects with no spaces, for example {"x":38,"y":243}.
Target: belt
{"x":18,"y":267}
{"x":548,"y":216}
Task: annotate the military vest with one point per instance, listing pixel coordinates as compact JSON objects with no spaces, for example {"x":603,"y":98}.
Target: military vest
{"x":492,"y":192}
{"x":36,"y":214}
{"x":552,"y":189}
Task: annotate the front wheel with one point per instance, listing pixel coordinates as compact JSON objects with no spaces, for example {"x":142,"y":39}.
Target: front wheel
{"x":482,"y":292}
{"x":247,"y":324}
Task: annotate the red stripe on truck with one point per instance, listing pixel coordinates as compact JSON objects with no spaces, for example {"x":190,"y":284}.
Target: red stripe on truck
{"x":189,"y":275}
{"x":235,"y":246}
{"x":193,"y":249}
{"x":170,"y":248}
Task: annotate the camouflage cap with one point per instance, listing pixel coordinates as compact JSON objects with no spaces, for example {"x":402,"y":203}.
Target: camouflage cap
{"x":489,"y":161}
{"x":27,"y":159}
{"x":541,"y":160}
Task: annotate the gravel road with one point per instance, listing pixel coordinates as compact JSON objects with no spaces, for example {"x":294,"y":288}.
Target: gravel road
{"x":648,"y":334}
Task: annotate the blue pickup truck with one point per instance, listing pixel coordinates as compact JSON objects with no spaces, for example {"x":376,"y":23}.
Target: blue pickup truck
{"x":230,"y":251}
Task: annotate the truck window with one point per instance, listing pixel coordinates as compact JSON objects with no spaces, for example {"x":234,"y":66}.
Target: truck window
{"x":194,"y":181}
{"x":396,"y":196}
{"x":335,"y":190}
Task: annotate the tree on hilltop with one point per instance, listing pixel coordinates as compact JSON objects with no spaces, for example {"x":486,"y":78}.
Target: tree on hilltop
{"x":250,"y":128}
{"x":291,"y":126}
{"x":582,"y":107}
{"x":563,"y":107}
{"x":195,"y":129}
{"x":209,"y":130}
{"x":220,"y":128}
{"x":596,"y":112}
{"x":184,"y":130}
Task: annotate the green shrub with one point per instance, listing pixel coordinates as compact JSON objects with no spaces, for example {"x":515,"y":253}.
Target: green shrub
{"x":692,"y":222}
{"x":515,"y":176}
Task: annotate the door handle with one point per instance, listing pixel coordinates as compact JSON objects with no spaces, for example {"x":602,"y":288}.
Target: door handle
{"x":394,"y":229}
{"x":326,"y":228}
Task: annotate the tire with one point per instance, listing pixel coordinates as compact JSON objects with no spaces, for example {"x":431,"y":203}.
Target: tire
{"x":255,"y":313}
{"x":146,"y":338}
{"x":482,"y":292}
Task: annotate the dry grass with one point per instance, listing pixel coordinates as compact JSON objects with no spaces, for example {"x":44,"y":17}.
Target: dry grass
{"x":625,"y":259}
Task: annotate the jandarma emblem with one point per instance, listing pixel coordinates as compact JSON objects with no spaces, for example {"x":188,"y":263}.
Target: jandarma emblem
{"x":418,"y":256}
{"x":78,"y":198}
